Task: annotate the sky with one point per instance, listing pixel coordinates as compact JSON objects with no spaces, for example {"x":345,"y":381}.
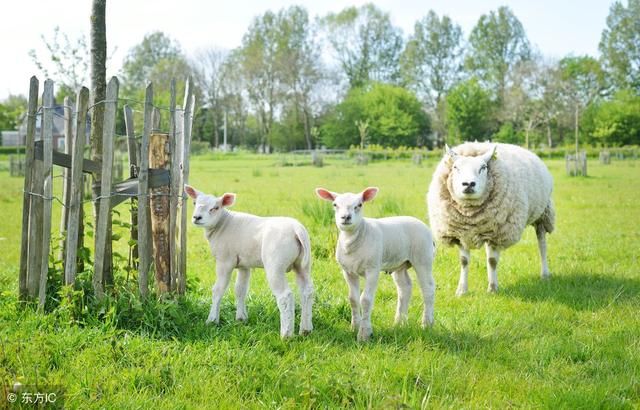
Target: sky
{"x":555,"y":27}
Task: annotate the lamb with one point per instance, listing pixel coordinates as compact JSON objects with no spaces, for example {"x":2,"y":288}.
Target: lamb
{"x":243,"y":241}
{"x":367,"y":246}
{"x":483,"y":193}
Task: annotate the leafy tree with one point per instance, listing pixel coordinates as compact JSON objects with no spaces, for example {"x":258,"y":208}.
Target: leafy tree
{"x":11,"y":110}
{"x":620,"y":44}
{"x":394,"y":115}
{"x":468,"y":112}
{"x":366,"y":44}
{"x":432,"y":59}
{"x":497,"y":44}
{"x":209,"y":67}
{"x":616,"y":122}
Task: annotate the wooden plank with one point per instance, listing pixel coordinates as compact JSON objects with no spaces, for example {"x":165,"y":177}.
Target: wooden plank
{"x":102,"y":231}
{"x":159,"y":158}
{"x":26,"y":197}
{"x":47,"y":171}
{"x":189,"y":101}
{"x":156,"y":120}
{"x":75,"y":204}
{"x":63,"y":160}
{"x":179,"y":194}
{"x":143,"y":198}
{"x":66,"y":175}
{"x":132,"y":146}
{"x":174,"y":189}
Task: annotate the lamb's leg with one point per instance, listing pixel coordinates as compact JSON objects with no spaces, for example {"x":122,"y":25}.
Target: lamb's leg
{"x":366,"y":301}
{"x":305,"y":287}
{"x":284,"y":298}
{"x":354,"y":298}
{"x":493,"y":256}
{"x":242,"y":286}
{"x":424,"y":274}
{"x":403,"y":286}
{"x":465,"y":258}
{"x":223,"y":275}
{"x":542,"y":247}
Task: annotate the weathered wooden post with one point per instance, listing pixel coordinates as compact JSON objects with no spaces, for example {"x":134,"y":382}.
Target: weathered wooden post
{"x":26,"y":196}
{"x":66,"y":175}
{"x":132,"y":149}
{"x":174,"y":189}
{"x":189,"y":102}
{"x":47,"y":190}
{"x":76,"y":197}
{"x":605,"y":157}
{"x":102,"y":228}
{"x":159,"y":159}
{"x":143,"y":197}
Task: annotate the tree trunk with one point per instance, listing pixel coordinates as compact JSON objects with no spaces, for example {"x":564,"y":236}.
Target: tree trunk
{"x":577,"y":140}
{"x":98,"y":92}
{"x":549,"y":142}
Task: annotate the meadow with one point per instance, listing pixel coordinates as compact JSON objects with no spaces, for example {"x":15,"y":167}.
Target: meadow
{"x":570,"y":342}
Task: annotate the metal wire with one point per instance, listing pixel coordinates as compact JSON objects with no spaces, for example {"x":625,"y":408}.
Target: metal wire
{"x":113,"y":194}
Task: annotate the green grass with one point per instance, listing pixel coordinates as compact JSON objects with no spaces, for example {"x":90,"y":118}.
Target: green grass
{"x":571,"y":342}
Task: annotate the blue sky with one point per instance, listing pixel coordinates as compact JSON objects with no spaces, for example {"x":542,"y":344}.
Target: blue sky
{"x":556,"y":27}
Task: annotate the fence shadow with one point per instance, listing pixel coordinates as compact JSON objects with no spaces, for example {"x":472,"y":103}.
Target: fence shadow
{"x":580,"y":291}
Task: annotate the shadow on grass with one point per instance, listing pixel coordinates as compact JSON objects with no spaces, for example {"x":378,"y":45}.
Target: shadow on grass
{"x":580,"y":291}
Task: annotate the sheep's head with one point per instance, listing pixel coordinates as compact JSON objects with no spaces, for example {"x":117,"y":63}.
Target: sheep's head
{"x":469,"y":175}
{"x":208,"y":208}
{"x":347,"y":206}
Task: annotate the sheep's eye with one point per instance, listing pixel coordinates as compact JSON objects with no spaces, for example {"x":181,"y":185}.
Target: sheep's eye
{"x":359,"y":206}
{"x":456,"y":168}
{"x":194,"y":202}
{"x":334,"y":205}
{"x":215,"y":208}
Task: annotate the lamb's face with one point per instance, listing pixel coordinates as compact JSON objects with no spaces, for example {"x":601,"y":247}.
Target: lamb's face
{"x":469,"y":175}
{"x":208,"y":208}
{"x":348,"y":206}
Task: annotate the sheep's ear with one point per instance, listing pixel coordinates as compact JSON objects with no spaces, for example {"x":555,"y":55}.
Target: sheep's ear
{"x":191,"y":191}
{"x":326,"y":195}
{"x":450,"y":154}
{"x":492,"y":153}
{"x":228,"y":200}
{"x":369,"y":193}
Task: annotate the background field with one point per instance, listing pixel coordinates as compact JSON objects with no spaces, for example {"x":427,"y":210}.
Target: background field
{"x":571,"y":342}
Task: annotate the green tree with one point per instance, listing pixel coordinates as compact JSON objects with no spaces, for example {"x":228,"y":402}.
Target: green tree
{"x":394,"y":114}
{"x":366,"y":44}
{"x":468,"y":112}
{"x":497,"y":44}
{"x":209,"y":66}
{"x":11,"y":110}
{"x":617,"y":121}
{"x":620,"y":44}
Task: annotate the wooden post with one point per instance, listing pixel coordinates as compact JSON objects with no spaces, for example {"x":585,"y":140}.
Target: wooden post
{"x":47,"y":169}
{"x":175,"y":189}
{"x":28,"y":175}
{"x":76,"y":198}
{"x":66,"y":175}
{"x":159,"y":159}
{"x":133,"y":173}
{"x":143,"y":196}
{"x":189,"y":101}
{"x":155,"y":127}
{"x":102,"y":228}
{"x":177,"y":157}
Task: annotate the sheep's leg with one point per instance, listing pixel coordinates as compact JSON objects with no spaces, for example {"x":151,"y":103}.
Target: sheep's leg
{"x":284,"y":298}
{"x":493,"y":256}
{"x":242,"y":286}
{"x":223,"y":275}
{"x":465,"y":258}
{"x":354,"y":298}
{"x":366,"y":301}
{"x":424,"y":274}
{"x":305,"y":287}
{"x":403,"y":286}
{"x":542,"y":247}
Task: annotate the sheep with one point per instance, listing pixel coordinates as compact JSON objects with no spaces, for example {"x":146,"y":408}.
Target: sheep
{"x":486,"y":194}
{"x":243,"y":241}
{"x":368,"y":246}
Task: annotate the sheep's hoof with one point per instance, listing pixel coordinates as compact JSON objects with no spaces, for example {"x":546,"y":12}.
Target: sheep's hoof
{"x":493,"y":288}
{"x":365,"y":334}
{"x":213,"y":321}
{"x":461,"y":292}
{"x":305,"y":332}
{"x":242,"y":317}
{"x":286,"y":335}
{"x":545,"y":275}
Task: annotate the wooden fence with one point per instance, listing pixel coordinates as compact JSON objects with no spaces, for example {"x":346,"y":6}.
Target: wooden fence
{"x":158,"y":170}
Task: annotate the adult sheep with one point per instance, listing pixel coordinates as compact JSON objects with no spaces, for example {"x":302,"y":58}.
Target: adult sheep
{"x":486,"y":194}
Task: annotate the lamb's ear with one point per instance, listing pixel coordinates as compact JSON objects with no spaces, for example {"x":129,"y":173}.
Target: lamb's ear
{"x":191,"y":191}
{"x":492,"y":153}
{"x":326,"y":195}
{"x":369,"y":193}
{"x":449,"y":153}
{"x":228,"y":200}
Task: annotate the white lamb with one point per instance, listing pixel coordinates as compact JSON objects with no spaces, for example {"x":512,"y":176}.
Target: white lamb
{"x":367,"y":246}
{"x":244,"y":241}
{"x":486,"y":194}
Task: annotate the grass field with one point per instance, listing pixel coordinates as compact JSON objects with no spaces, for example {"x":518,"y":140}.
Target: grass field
{"x":571,"y":342}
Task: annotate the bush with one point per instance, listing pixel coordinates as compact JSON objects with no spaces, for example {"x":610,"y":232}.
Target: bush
{"x":199,"y":147}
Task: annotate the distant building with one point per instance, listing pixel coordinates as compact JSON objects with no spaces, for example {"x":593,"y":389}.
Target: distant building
{"x":10,"y":138}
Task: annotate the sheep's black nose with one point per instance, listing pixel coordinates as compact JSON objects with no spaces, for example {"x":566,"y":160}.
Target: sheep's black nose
{"x":469,"y":184}
{"x":197,"y":218}
{"x":346,"y":218}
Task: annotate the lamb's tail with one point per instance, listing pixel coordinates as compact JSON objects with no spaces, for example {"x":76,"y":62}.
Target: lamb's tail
{"x":305,"y":243}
